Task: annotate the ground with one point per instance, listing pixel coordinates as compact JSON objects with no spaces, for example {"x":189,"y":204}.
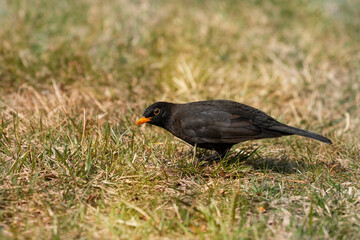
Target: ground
{"x":76,"y":75}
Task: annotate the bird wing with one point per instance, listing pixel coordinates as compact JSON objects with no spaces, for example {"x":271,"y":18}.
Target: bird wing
{"x":216,"y":126}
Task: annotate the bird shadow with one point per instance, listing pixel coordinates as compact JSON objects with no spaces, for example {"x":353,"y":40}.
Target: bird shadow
{"x":280,"y":164}
{"x":250,"y":157}
{"x":243,"y":160}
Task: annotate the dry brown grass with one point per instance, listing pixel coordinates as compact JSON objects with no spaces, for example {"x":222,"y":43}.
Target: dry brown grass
{"x":75,"y":76}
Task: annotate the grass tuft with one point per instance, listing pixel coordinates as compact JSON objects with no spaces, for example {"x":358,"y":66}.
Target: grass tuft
{"x":75,"y":76}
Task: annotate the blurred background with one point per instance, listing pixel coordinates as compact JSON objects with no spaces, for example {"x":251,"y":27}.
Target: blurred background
{"x":288,"y":58}
{"x":76,"y":75}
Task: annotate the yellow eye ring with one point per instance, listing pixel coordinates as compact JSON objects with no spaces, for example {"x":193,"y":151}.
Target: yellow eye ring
{"x":156,"y":111}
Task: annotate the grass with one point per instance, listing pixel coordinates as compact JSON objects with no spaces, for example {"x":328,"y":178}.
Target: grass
{"x":76,"y":75}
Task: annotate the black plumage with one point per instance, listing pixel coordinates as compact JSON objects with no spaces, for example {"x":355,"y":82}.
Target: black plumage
{"x":218,"y":124}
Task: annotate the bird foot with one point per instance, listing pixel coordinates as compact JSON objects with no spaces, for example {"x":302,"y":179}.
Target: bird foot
{"x":210,"y":159}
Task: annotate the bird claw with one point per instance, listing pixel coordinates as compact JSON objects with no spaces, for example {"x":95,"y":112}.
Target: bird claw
{"x":210,"y":159}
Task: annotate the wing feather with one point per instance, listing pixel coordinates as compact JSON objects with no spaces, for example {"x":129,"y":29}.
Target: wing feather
{"x":217,"y":126}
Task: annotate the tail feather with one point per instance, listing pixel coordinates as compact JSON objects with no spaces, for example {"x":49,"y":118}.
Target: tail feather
{"x":287,"y":130}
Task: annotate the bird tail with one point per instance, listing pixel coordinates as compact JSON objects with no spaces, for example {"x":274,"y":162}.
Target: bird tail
{"x":288,"y":130}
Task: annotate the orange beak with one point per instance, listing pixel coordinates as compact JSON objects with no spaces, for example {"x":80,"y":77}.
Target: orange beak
{"x":143,"y":120}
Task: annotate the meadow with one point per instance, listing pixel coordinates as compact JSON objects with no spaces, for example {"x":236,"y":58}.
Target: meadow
{"x":76,"y":75}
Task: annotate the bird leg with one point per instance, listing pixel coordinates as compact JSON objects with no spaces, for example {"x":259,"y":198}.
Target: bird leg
{"x":216,"y":157}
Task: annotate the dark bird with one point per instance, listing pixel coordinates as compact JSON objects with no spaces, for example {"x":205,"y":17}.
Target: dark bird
{"x":218,"y":124}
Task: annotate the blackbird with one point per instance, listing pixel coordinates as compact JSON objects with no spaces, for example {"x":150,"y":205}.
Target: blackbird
{"x":218,"y":124}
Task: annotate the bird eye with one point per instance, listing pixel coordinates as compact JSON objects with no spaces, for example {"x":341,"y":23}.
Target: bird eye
{"x":156,"y":111}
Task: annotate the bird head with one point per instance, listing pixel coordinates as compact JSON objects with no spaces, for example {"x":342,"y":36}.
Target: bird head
{"x":157,"y":114}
